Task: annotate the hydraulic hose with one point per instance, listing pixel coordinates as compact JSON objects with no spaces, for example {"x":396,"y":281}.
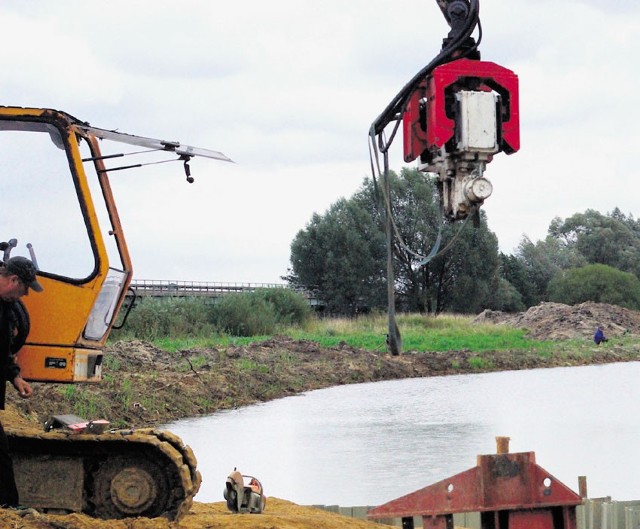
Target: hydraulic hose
{"x":453,"y":44}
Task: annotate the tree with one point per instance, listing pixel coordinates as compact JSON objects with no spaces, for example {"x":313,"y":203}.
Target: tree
{"x":417,"y":219}
{"x":342,"y":252}
{"x":515,"y":273}
{"x":467,"y":273}
{"x":542,"y":261}
{"x":596,"y":282}
{"x":583,"y":238}
{"x":504,"y":297}
{"x":339,"y":255}
{"x":612,"y":239}
{"x":458,"y":279}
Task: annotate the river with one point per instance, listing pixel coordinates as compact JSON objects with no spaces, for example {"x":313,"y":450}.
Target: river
{"x":365,"y":444}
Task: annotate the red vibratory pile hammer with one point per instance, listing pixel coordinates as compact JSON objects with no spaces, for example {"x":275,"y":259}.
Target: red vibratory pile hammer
{"x":457,"y":113}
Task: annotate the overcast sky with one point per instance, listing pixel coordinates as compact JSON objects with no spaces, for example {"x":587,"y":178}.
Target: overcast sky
{"x":288,"y":90}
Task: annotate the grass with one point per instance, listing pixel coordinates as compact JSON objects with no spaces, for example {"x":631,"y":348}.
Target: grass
{"x":84,"y":403}
{"x":245,"y":364}
{"x":479,"y":363}
{"x":419,"y":333}
{"x":174,"y":325}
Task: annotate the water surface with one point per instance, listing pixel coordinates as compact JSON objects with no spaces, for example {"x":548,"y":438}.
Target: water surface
{"x":365,"y":444}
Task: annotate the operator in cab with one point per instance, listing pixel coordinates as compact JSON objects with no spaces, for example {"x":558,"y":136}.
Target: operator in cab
{"x":17,"y":277}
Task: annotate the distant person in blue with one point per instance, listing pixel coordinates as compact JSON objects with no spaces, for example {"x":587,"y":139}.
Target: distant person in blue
{"x":599,"y":336}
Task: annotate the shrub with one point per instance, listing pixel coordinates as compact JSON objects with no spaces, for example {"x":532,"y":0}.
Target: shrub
{"x":291,"y":308}
{"x":243,"y":315}
{"x":598,"y":283}
{"x":251,"y":314}
{"x":157,"y":318}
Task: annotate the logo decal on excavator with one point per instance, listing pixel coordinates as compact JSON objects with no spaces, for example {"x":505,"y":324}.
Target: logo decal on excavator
{"x":55,"y":363}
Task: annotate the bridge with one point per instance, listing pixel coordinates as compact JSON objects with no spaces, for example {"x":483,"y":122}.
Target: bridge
{"x":155,"y":288}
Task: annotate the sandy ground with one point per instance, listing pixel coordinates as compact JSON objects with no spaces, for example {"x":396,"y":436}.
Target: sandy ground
{"x":279,"y":514}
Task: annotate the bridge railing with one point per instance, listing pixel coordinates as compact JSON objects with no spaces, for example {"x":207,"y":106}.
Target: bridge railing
{"x":156,"y":287}
{"x":167,"y":288}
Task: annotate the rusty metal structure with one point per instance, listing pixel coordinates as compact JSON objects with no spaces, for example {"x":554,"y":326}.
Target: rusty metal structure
{"x":510,"y":491}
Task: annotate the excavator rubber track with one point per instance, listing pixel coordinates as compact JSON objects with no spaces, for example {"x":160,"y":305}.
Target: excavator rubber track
{"x":112,"y":475}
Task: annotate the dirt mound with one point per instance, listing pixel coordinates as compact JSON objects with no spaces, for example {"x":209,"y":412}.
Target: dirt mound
{"x":556,"y":321}
{"x":139,"y":354}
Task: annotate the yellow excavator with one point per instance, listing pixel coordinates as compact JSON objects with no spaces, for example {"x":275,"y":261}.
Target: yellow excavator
{"x":59,"y":210}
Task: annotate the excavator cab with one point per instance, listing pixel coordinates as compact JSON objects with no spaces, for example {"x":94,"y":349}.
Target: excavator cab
{"x":45,"y":154}
{"x":73,"y":235}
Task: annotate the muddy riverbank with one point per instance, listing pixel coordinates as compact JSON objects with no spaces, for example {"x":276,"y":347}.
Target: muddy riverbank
{"x":146,"y":386}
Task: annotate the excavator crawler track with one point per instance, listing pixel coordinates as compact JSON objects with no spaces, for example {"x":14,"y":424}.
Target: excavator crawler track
{"x":117,"y":474}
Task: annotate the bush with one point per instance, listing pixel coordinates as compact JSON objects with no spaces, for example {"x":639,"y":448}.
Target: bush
{"x":291,"y":308}
{"x":252,"y":314}
{"x":598,"y":283}
{"x":243,"y":315}
{"x":259,"y":312}
{"x":158,"y":318}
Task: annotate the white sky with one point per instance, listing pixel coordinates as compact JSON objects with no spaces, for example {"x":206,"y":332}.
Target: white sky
{"x":288,"y":90}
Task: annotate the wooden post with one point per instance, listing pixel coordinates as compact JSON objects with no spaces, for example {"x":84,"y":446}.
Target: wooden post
{"x":502,"y":445}
{"x":582,"y":486}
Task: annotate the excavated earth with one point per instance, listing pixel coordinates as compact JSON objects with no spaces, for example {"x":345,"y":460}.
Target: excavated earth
{"x":555,"y":321}
{"x":146,"y":386}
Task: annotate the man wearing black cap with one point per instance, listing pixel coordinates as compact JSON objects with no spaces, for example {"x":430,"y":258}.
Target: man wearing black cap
{"x":17,"y":276}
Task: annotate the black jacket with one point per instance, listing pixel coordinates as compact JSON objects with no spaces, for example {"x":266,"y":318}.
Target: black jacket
{"x":8,"y":367}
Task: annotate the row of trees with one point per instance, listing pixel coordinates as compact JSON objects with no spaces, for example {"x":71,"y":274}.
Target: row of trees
{"x":342,"y":255}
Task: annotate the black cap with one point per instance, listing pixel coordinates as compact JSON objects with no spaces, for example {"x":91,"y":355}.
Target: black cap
{"x":25,"y":270}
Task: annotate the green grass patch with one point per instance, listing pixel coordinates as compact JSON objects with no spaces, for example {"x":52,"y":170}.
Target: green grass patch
{"x":419,"y":333}
{"x":476,"y":362}
{"x":84,"y":403}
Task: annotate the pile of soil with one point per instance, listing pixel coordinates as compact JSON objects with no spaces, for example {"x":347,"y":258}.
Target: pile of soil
{"x":556,"y":321}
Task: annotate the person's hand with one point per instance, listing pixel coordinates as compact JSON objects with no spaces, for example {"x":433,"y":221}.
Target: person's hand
{"x":23,"y":387}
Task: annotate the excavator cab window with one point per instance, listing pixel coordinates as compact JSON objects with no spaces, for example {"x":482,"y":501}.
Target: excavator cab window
{"x":99,"y":203}
{"x":40,"y":203}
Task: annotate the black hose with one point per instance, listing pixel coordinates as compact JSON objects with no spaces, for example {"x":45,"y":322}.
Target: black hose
{"x":397,"y":104}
